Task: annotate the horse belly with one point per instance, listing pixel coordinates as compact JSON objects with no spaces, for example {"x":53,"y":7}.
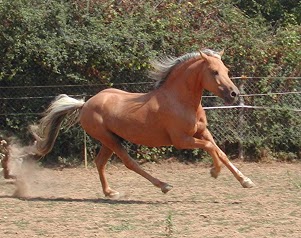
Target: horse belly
{"x":143,"y":134}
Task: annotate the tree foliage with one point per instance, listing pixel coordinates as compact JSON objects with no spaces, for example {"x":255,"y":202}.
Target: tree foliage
{"x":102,"y":41}
{"x":276,"y":12}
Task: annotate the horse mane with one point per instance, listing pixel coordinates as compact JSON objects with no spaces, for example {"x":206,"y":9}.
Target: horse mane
{"x":164,"y":65}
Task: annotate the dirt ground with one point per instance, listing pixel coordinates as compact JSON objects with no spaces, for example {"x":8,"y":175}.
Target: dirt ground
{"x":69,"y":203}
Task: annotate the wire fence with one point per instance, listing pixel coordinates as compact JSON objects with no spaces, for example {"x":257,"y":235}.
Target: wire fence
{"x":264,"y":102}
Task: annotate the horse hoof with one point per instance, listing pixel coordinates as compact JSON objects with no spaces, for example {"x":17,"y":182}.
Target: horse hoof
{"x":113,"y":195}
{"x":247,"y":183}
{"x":166,"y":188}
{"x":213,"y":173}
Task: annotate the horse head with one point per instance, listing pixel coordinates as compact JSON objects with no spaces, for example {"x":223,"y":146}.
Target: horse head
{"x":215,"y":77}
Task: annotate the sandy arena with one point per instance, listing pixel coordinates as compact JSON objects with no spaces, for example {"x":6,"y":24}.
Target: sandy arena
{"x":69,"y":203}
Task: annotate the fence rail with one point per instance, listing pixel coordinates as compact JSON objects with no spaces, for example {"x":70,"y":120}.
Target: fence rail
{"x":267,"y":108}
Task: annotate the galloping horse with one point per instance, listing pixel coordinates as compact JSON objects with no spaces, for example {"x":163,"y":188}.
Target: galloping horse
{"x":171,"y":114}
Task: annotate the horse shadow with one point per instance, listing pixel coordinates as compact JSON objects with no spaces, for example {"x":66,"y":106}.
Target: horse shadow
{"x":84,"y":200}
{"x":112,"y":201}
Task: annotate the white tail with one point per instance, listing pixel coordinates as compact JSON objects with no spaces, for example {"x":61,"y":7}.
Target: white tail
{"x":45,"y":133}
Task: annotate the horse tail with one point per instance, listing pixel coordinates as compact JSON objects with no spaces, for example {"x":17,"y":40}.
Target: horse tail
{"x":46,"y":131}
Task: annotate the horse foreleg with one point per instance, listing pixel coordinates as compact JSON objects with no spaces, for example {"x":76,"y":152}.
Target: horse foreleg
{"x":101,"y":160}
{"x":244,"y":181}
{"x":187,"y":142}
{"x":217,"y":164}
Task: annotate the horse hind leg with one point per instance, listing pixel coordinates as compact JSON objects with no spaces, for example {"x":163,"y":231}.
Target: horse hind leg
{"x":134,"y":166}
{"x":114,"y":144}
{"x":101,"y":160}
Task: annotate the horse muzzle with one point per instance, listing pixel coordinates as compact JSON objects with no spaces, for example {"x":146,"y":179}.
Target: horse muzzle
{"x":231,"y":96}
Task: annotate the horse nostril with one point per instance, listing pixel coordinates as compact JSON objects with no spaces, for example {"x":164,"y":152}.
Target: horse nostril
{"x":233,"y":94}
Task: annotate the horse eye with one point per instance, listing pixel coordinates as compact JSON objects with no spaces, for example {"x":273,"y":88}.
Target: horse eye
{"x":215,"y":72}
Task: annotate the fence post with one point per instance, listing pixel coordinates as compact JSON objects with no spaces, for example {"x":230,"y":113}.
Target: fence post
{"x":241,"y":121}
{"x":85,"y":141}
{"x":85,"y":150}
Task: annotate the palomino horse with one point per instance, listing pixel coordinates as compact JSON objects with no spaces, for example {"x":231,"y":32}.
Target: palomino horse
{"x":171,"y":114}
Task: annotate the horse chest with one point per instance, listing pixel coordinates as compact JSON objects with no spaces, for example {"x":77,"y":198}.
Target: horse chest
{"x":184,"y":121}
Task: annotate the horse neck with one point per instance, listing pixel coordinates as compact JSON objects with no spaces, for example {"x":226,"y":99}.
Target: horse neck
{"x":184,"y":83}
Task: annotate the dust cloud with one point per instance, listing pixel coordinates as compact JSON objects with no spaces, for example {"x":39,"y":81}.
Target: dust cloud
{"x":24,"y":170}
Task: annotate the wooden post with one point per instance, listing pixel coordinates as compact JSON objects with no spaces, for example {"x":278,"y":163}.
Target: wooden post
{"x":85,"y":150}
{"x":85,"y":135}
{"x":241,"y":122}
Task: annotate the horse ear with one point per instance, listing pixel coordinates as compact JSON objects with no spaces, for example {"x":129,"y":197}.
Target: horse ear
{"x":221,"y":52}
{"x":203,"y":56}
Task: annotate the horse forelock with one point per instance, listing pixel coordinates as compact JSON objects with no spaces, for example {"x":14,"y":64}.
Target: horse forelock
{"x":163,"y":66}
